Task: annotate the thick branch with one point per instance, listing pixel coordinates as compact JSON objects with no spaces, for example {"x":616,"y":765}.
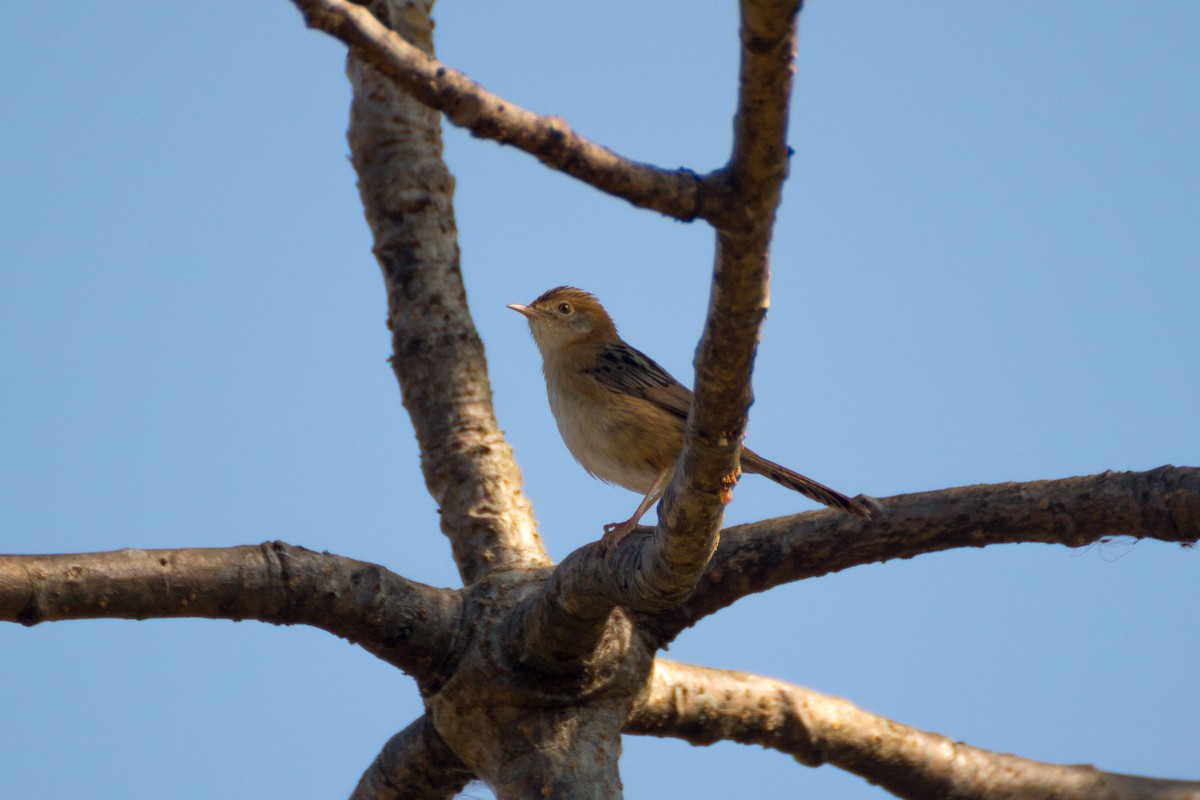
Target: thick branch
{"x":526,"y":732}
{"x":677,"y":193}
{"x":570,"y":617}
{"x":1162,"y":504}
{"x":703,"y":706}
{"x":415,"y":764}
{"x":438,"y":358}
{"x":405,"y":623}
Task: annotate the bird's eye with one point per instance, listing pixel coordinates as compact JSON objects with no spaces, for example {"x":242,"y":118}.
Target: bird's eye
{"x":564,"y":308}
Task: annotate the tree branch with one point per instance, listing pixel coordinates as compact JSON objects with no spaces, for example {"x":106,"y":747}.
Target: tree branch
{"x":438,"y":358}
{"x":703,"y":706}
{"x":677,"y":193}
{"x":415,"y":764}
{"x":1162,"y":504}
{"x":405,"y":623}
{"x":759,"y":164}
{"x":692,"y":508}
{"x":653,"y":573}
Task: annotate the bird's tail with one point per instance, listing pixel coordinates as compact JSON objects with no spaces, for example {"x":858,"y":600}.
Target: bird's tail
{"x":754,"y":463}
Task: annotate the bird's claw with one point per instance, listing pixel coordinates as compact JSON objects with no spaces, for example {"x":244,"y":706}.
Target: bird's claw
{"x":614,"y":534}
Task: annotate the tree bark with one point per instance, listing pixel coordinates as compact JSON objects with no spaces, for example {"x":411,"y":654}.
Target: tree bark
{"x":704,"y":706}
{"x":415,"y":764}
{"x":407,"y":624}
{"x":438,"y":358}
{"x":1161,"y":504}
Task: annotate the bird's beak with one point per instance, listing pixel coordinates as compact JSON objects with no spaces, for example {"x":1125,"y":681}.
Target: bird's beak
{"x":532,"y":313}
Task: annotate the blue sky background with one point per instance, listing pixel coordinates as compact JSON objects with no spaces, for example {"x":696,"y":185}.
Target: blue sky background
{"x":985,"y":269}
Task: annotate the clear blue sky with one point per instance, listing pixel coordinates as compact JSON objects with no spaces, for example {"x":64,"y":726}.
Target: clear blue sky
{"x":987,"y":268}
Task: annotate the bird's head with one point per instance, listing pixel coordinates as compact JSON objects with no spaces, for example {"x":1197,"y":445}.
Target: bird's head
{"x":564,"y":316}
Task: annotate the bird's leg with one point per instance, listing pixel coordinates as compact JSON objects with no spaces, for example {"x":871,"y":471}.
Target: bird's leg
{"x":614,"y":532}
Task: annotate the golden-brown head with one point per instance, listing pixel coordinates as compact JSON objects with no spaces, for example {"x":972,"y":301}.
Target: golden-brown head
{"x":565,"y":316}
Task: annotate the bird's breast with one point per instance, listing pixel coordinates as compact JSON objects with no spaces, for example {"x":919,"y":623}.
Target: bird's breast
{"x":617,"y":438}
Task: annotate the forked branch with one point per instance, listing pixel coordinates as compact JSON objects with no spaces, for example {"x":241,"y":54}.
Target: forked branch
{"x":657,"y":572}
{"x":692,"y":508}
{"x":677,"y":193}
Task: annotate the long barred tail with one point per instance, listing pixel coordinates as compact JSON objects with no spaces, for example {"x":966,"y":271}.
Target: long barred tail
{"x":753,"y":462}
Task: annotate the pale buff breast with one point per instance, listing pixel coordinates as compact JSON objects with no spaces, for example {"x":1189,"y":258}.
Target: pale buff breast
{"x":627,"y":442}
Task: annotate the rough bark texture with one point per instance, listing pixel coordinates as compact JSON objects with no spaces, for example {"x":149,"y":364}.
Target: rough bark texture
{"x":415,"y":764}
{"x":1162,"y":504}
{"x":407,"y":624}
{"x":533,"y":732}
{"x":693,"y":505}
{"x":705,"y":706}
{"x":407,"y":192}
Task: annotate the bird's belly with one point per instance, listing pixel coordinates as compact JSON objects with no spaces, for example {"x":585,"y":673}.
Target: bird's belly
{"x":617,"y":444}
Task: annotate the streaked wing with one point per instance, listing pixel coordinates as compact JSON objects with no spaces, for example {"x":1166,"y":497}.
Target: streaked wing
{"x":627,"y":370}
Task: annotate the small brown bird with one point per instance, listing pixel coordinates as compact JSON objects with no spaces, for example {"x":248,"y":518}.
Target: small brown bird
{"x":622,"y":415}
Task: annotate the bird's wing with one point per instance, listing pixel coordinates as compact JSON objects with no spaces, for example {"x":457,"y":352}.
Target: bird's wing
{"x":627,"y":370}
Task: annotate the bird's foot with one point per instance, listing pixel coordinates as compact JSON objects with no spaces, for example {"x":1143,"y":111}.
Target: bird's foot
{"x":614,"y":533}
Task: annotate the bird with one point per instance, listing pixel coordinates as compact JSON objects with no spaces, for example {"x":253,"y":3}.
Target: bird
{"x":622,"y":415}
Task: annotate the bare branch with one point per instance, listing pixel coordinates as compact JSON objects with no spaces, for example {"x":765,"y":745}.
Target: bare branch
{"x":1162,"y":504}
{"x":415,"y":764}
{"x":677,"y":193}
{"x":759,"y":164}
{"x":438,"y":357}
{"x":691,"y":512}
{"x":653,"y":573}
{"x":703,"y":706}
{"x":405,"y":623}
